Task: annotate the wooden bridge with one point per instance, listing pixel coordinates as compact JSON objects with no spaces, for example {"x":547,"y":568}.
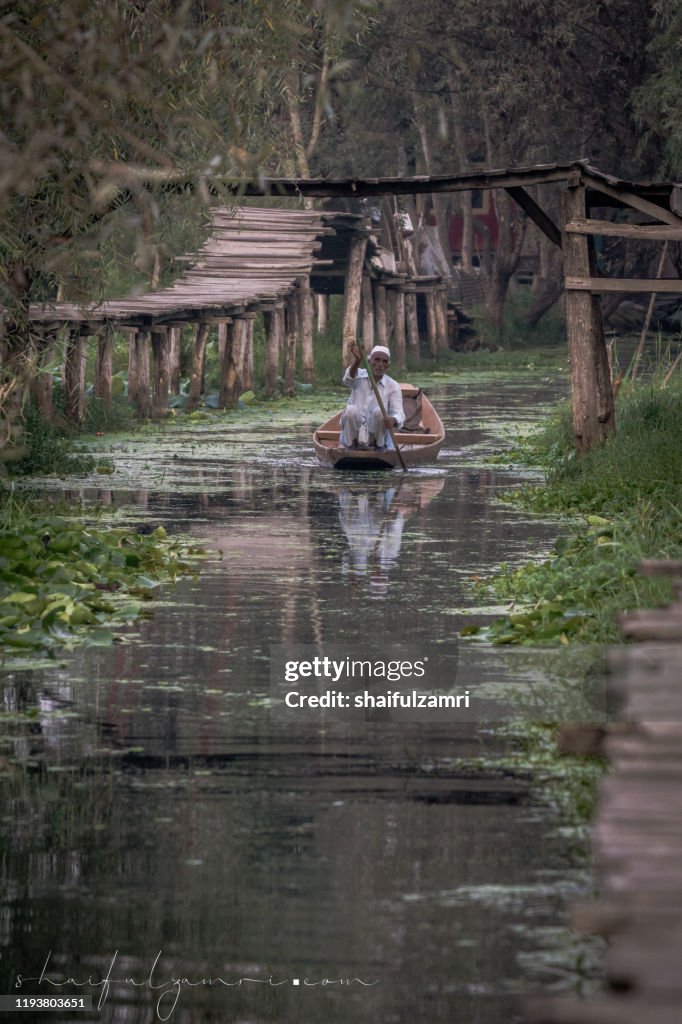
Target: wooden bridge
{"x":267,"y":262}
{"x":637,"y":836}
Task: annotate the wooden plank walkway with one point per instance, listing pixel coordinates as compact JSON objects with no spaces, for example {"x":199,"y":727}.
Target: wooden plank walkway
{"x":251,"y":256}
{"x":637,"y":835}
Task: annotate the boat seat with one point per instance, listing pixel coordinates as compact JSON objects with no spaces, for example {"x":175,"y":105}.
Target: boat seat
{"x":400,"y":436}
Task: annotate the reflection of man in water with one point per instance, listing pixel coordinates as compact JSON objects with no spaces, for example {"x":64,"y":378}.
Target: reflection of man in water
{"x":362,"y":423}
{"x":374,"y":533}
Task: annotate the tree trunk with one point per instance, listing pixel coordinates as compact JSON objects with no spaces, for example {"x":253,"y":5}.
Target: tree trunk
{"x":322,"y":307}
{"x":431,"y":323}
{"x":352,"y":292}
{"x":198,"y":362}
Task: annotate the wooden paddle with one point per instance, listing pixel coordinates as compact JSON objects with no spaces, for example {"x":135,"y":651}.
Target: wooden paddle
{"x":382,"y":408}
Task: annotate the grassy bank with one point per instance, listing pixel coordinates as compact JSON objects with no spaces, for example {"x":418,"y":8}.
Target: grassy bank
{"x":624,"y":503}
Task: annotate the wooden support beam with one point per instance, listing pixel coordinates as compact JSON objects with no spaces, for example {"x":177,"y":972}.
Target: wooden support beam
{"x":613,"y":229}
{"x":636,"y":202}
{"x":161,"y":359}
{"x":233,"y":364}
{"x":274,"y":333}
{"x":380,"y":314}
{"x":352,"y":293}
{"x":196,"y":382}
{"x":174,"y":335}
{"x":41,"y":386}
{"x":74,"y":392}
{"x":535,"y":212}
{"x":412,"y":323}
{"x":592,"y":395}
{"x":399,"y":334}
{"x":305,"y":312}
{"x":431,"y":323}
{"x":104,"y":365}
{"x":247,"y":372}
{"x":289,"y":389}
{"x":143,"y":404}
{"x":672,"y":286}
{"x":367,"y":313}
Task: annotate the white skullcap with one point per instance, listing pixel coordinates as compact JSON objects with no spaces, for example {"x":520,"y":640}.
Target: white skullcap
{"x":380,"y":350}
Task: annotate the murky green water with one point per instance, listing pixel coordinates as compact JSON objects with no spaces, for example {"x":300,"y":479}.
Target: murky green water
{"x":159,"y":822}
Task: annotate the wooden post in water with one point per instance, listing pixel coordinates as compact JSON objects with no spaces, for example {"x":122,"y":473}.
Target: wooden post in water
{"x":367,"y":313}
{"x":198,"y":363}
{"x":160,"y":353}
{"x":273,"y":335}
{"x":352,"y":293}
{"x":74,"y":382}
{"x":441,"y":303}
{"x":174,"y":334}
{"x":289,"y":389}
{"x":322,"y":307}
{"x":104,"y":365}
{"x":233,"y":365}
{"x":411,"y":322}
{"x":399,"y":328}
{"x":592,"y":393}
{"x":143,"y":399}
{"x":431,"y":324}
{"x":42,"y":382}
{"x":380,"y":317}
{"x":132,"y":370}
{"x":305,"y":297}
{"x":247,"y":372}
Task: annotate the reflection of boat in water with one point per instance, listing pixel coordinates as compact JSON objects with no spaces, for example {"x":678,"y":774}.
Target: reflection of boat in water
{"x":419,"y":443}
{"x":372,"y":521}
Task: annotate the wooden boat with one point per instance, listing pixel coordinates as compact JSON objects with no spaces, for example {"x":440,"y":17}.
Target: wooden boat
{"x":418,"y":444}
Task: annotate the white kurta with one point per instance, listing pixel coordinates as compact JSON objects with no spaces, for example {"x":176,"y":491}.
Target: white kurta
{"x":362,"y":420}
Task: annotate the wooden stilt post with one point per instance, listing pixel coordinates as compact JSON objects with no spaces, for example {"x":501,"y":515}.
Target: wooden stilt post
{"x":104,"y":365}
{"x":174,"y":334}
{"x":322,"y":306}
{"x":198,"y":362}
{"x":367,"y":313}
{"x":352,"y":292}
{"x":74,"y":391}
{"x":247,"y":371}
{"x":42,"y":384}
{"x":431,"y":325}
{"x":273,"y":338}
{"x":411,"y":322}
{"x":143,"y":400}
{"x":380,"y":317}
{"x":233,"y":365}
{"x":441,"y":304}
{"x":399,"y":347}
{"x":289,"y":388}
{"x":132,"y":370}
{"x":592,"y":394}
{"x":222,"y":341}
{"x":305,"y":313}
{"x":161,"y":353}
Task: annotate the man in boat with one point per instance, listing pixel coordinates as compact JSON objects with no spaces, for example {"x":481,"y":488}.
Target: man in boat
{"x":362,"y":423}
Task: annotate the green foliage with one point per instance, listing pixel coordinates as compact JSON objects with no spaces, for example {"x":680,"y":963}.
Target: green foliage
{"x":628,"y":494}
{"x":63,"y":582}
{"x":514,"y":332}
{"x":50,"y":449}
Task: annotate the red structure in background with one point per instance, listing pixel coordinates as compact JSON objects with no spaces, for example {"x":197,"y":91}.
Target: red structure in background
{"x":485,"y":224}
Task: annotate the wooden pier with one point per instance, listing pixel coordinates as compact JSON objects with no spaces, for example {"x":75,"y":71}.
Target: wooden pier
{"x":637,"y":835}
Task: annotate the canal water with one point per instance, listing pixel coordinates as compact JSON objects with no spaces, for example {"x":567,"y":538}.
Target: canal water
{"x":164,"y":826}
